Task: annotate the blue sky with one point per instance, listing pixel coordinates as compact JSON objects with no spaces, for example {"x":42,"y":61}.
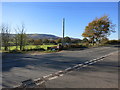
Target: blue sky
{"x":46,"y":17}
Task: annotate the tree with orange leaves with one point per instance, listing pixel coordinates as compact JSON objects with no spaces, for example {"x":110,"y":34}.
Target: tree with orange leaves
{"x":99,"y":28}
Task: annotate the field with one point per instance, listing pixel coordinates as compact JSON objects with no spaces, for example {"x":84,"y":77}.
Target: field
{"x":30,"y":47}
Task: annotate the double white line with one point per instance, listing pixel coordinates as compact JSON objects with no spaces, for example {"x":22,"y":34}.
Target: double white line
{"x":46,"y":78}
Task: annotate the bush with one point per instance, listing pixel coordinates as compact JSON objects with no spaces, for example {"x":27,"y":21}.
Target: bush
{"x":77,"y":46}
{"x":113,"y":42}
{"x":14,"y":51}
{"x":65,"y":47}
{"x":86,"y":44}
{"x":35,"y":49}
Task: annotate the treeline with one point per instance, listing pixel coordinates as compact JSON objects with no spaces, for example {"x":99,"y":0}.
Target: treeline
{"x":112,"y":42}
{"x":55,"y":42}
{"x":96,"y":33}
{"x":20,"y":39}
{"x":103,"y":41}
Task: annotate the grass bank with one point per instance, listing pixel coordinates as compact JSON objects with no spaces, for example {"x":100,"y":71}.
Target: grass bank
{"x":30,"y":47}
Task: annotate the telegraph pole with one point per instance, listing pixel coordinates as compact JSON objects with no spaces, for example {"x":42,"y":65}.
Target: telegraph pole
{"x":63,"y":29}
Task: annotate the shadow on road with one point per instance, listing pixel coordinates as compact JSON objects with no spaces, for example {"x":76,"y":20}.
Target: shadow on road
{"x":55,"y":61}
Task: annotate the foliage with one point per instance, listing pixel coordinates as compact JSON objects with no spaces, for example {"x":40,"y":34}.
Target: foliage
{"x":21,"y":37}
{"x":113,"y":42}
{"x":67,"y":40}
{"x":5,"y":36}
{"x":99,"y":28}
{"x":104,"y":40}
{"x":38,"y":42}
{"x":77,"y":46}
{"x":76,"y":40}
{"x":30,"y":41}
{"x":45,"y":41}
{"x":59,"y":40}
{"x":84,"y":40}
{"x":28,"y":47}
{"x":52,"y":42}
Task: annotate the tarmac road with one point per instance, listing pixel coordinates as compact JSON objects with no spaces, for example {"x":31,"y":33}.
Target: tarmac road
{"x":20,"y":67}
{"x":102,"y":74}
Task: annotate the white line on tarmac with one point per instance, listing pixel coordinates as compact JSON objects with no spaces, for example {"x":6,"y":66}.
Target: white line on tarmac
{"x":53,"y":77}
{"x":90,"y":63}
{"x":85,"y":64}
{"x":100,"y":60}
{"x":47,"y":76}
{"x":82,"y":65}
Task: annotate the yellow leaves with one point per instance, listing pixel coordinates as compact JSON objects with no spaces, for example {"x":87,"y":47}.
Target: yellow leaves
{"x":98,"y":27}
{"x":84,"y":35}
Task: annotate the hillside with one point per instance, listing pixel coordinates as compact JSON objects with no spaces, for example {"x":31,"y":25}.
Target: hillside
{"x":39,"y":36}
{"x":42,"y":36}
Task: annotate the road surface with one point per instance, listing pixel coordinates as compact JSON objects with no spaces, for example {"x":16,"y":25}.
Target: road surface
{"x":20,"y":67}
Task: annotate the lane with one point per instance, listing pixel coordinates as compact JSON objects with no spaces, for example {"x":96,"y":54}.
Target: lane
{"x":15,"y":59}
{"x":19,"y":67}
{"x":26,"y":58}
{"x":103,"y":74}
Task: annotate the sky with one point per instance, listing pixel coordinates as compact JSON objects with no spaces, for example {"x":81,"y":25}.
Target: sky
{"x":60,"y":0}
{"x":46,"y":17}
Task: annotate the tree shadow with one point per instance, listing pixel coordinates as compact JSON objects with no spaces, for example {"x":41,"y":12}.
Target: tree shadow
{"x":52,"y":61}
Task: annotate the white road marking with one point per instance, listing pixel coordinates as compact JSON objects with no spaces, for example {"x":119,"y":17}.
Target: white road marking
{"x":61,"y":74}
{"x":68,"y":69}
{"x":37,"y":79}
{"x":87,"y":62}
{"x":53,"y":78}
{"x":47,"y":76}
{"x":57,"y":74}
{"x":100,"y":59}
{"x":75,"y":66}
{"x":94,"y":61}
{"x":80,"y":64}
{"x":84,"y":65}
{"x":90,"y":63}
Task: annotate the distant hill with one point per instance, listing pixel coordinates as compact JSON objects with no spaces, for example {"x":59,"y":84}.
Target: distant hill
{"x":42,"y":36}
{"x":39,"y":36}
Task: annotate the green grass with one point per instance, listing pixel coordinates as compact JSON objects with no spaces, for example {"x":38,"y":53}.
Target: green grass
{"x":31,"y":47}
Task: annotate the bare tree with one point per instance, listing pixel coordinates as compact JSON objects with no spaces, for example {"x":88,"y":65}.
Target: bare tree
{"x":16,"y":39}
{"x":0,"y":40}
{"x":5,"y":36}
{"x":1,"y":37}
{"x":21,"y":37}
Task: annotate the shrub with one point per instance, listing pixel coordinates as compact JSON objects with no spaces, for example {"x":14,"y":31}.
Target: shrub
{"x":77,"y":46}
{"x":35,"y":49}
{"x":14,"y":51}
{"x":113,"y":42}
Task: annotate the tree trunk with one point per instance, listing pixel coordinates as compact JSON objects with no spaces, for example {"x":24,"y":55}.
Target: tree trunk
{"x":6,"y":48}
